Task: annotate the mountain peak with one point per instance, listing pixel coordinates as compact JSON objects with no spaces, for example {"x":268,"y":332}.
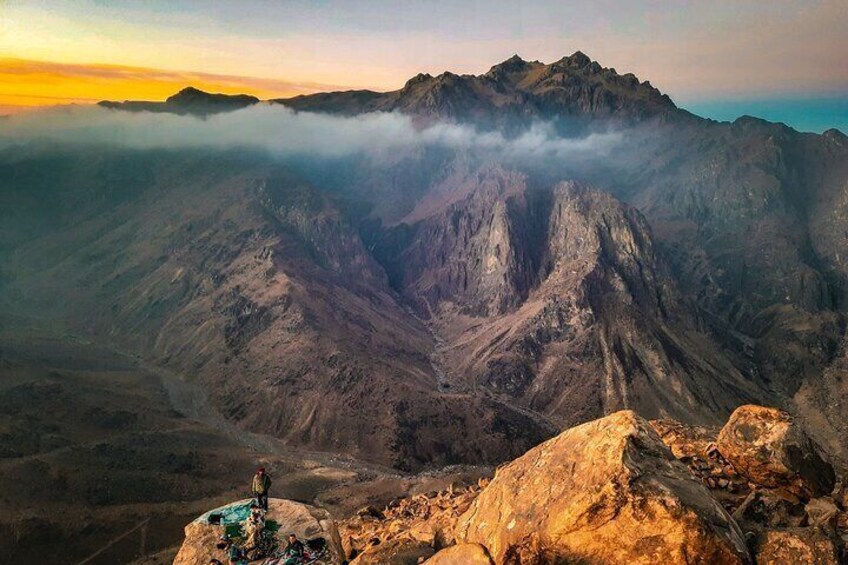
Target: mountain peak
{"x":834,"y":134}
{"x":417,"y":79}
{"x":511,"y":93}
{"x":511,"y":65}
{"x":190,"y":91}
{"x":514,"y":62}
{"x":577,"y":59}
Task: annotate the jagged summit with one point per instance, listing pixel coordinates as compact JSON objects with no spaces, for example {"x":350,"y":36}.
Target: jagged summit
{"x":511,"y":65}
{"x":420,"y":77}
{"x":577,"y":59}
{"x":512,"y":92}
{"x":512,"y":70}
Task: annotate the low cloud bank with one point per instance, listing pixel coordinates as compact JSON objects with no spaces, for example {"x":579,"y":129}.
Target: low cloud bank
{"x":284,"y":132}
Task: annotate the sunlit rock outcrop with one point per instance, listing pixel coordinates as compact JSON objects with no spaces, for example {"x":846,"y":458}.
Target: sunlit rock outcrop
{"x":608,"y":491}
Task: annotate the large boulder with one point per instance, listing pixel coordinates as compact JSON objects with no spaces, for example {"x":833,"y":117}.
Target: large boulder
{"x":306,"y":521}
{"x":464,"y":554}
{"x":608,"y":491}
{"x":770,"y":449}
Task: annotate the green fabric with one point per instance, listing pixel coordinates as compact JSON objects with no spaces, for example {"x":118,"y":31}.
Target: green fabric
{"x":234,"y":513}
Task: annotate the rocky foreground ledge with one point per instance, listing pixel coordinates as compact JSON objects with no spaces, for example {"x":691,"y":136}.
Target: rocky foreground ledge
{"x":306,"y":521}
{"x":615,"y":490}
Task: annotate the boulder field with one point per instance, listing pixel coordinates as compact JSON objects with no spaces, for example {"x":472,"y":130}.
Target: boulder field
{"x":620,"y":489}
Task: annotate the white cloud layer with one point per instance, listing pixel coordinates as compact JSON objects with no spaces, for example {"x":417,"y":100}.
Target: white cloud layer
{"x":286,"y":133}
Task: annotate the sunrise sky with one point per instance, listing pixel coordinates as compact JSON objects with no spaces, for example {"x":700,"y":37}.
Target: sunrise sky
{"x":783,"y":60}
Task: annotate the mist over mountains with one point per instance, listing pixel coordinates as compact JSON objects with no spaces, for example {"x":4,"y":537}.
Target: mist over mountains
{"x":283,"y":132}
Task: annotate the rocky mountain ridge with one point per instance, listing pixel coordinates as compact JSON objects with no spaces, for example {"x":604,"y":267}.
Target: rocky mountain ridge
{"x":189,"y":100}
{"x":574,"y":87}
{"x":510,"y":92}
{"x":523,"y":280}
{"x":438,"y":305}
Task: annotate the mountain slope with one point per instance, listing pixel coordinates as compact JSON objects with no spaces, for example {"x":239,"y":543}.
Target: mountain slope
{"x":505,"y":316}
{"x":231,"y":272}
{"x":380,"y":306}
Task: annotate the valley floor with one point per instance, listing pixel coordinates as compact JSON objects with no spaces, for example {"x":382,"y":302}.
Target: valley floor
{"x":104,"y":460}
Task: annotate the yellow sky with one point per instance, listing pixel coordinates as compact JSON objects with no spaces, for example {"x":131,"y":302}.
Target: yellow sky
{"x":26,"y":83}
{"x":49,"y":58}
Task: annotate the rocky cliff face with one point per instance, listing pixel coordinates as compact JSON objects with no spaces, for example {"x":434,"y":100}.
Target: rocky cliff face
{"x":520,"y":282}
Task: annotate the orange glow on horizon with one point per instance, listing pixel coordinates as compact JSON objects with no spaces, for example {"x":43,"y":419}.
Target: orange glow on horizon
{"x":27,"y":84}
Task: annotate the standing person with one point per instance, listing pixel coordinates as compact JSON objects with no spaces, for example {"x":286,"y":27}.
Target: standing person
{"x":260,"y":486}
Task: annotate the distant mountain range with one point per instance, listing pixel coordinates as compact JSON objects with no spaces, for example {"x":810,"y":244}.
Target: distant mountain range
{"x":438,"y":306}
{"x":187,"y":101}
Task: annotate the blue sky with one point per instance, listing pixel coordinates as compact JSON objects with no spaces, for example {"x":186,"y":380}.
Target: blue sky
{"x":804,"y":114}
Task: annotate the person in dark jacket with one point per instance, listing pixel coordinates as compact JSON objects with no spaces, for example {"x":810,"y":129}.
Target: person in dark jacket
{"x":261,"y":485}
{"x":294,"y":552}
